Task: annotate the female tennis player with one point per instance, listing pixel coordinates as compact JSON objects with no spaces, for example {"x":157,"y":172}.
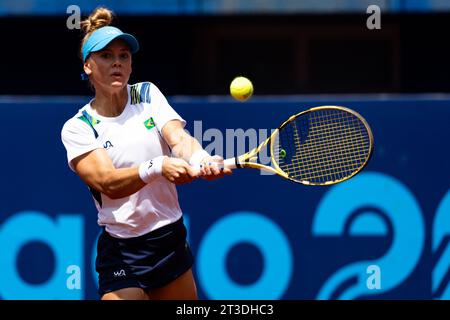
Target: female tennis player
{"x":129,"y":146}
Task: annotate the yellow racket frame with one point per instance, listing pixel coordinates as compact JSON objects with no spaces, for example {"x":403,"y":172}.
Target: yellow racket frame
{"x":248,"y":160}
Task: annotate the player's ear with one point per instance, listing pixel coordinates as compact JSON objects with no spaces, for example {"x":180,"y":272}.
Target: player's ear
{"x":87,"y":68}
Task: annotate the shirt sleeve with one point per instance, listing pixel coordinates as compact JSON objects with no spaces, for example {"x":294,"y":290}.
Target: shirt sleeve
{"x":78,"y":138}
{"x":162,"y":110}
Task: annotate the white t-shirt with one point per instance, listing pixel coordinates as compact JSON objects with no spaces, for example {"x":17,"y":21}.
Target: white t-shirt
{"x":129,"y":139}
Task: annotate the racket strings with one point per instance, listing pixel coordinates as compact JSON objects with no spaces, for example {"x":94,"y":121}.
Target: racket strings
{"x":322,"y":146}
{"x":332,"y":159}
{"x":320,"y":165}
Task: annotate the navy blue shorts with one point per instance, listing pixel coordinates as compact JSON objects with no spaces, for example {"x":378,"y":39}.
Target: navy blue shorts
{"x":148,"y":261}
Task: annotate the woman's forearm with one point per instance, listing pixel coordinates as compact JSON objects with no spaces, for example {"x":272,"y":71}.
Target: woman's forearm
{"x":120,"y":183}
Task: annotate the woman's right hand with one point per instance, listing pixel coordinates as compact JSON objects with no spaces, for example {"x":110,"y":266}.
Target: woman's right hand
{"x":178,"y":171}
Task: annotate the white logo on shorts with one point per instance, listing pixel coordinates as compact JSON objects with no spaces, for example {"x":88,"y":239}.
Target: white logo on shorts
{"x":120,"y":273}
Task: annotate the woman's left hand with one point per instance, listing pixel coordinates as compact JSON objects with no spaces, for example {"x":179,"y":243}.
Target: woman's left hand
{"x":213,"y":168}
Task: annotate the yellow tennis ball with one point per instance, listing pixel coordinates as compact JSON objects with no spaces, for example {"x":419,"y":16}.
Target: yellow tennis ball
{"x":241,"y":88}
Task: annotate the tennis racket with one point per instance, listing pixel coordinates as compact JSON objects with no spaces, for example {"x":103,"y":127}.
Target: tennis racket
{"x":320,"y":146}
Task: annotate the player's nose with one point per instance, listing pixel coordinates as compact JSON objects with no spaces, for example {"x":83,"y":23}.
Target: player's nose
{"x":116,"y":62}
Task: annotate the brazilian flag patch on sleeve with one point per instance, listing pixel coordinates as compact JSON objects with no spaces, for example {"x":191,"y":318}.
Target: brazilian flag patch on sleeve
{"x":149,"y":124}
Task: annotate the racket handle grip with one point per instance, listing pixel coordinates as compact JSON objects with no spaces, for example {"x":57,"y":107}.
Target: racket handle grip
{"x":229,"y":163}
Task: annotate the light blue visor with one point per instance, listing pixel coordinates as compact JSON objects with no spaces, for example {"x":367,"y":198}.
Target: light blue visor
{"x":100,"y":38}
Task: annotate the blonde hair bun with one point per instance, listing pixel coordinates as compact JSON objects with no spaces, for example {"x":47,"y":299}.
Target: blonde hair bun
{"x":100,"y":17}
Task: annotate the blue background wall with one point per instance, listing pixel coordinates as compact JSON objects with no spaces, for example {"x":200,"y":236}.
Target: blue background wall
{"x":53,"y":7}
{"x":254,"y":237}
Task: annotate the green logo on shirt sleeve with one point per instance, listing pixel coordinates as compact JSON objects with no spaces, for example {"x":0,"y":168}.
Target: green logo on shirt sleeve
{"x":150,"y":123}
